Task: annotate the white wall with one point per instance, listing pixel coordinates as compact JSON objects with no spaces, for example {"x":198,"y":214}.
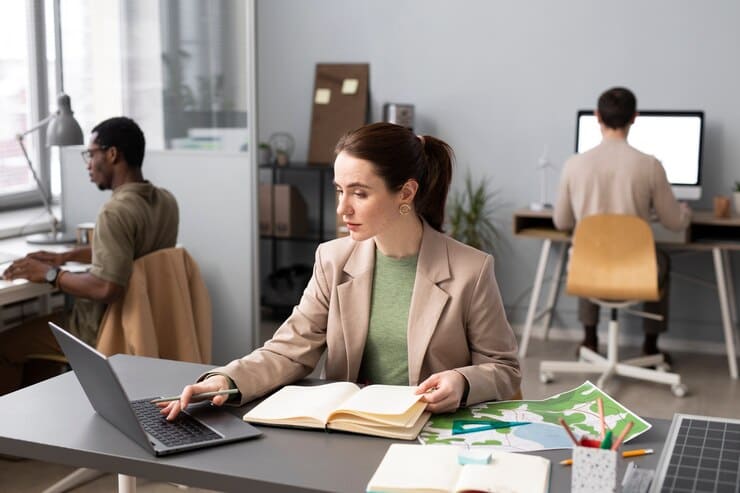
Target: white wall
{"x":217,"y":226}
{"x":499,"y":80}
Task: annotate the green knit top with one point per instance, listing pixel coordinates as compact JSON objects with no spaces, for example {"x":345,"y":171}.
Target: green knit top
{"x":385,"y":360}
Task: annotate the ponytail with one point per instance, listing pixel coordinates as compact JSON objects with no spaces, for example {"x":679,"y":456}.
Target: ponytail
{"x":435,"y":175}
{"x":398,"y":156}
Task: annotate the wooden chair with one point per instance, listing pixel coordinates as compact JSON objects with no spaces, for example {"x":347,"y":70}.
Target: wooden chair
{"x":613,"y":264}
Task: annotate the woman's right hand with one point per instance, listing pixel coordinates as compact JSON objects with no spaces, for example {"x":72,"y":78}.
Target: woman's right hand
{"x":213,"y":383}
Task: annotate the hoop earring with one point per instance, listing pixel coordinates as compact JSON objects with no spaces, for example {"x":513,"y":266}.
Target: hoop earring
{"x":404,"y":209}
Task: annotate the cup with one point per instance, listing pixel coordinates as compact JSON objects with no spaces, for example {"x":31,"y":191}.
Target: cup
{"x":594,"y":470}
{"x":721,"y":206}
{"x":85,"y":234}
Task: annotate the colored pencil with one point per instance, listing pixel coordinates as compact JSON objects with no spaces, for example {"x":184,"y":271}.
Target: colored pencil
{"x":567,"y":430}
{"x":625,"y":454}
{"x":622,"y":435}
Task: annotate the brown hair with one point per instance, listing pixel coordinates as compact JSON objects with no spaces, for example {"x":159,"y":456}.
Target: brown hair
{"x":400,"y":155}
{"x":617,"y":106}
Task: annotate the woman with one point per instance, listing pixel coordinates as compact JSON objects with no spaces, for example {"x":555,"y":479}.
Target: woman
{"x":396,"y":302}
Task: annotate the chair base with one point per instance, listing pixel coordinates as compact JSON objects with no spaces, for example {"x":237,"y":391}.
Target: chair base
{"x":592,"y":362}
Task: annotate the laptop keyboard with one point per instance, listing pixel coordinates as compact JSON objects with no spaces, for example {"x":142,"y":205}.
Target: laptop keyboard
{"x":182,"y":431}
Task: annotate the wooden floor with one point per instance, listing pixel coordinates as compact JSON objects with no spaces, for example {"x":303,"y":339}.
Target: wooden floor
{"x":711,"y":392}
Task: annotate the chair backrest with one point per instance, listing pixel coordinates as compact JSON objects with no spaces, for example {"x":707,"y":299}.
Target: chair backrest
{"x":165,"y":312}
{"x":613,"y":258}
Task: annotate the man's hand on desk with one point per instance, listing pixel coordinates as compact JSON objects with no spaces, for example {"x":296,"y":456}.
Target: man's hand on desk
{"x":82,"y":255}
{"x":50,"y":258}
{"x":27,"y":268}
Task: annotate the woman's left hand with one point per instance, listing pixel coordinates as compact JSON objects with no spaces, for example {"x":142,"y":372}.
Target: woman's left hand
{"x":442,"y":391}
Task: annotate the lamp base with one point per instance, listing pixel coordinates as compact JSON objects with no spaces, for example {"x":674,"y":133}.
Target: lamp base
{"x":51,"y":239}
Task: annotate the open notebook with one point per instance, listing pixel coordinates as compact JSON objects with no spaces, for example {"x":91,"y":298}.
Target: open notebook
{"x":435,"y":469}
{"x":392,"y":411}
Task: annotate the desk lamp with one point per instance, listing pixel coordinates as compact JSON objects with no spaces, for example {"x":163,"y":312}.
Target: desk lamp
{"x":62,"y":130}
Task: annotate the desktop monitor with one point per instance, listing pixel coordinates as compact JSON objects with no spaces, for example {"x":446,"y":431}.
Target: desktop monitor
{"x":674,"y":137}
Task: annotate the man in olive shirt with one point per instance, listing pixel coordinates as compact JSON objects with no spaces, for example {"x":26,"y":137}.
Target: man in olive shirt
{"x":616,"y":178}
{"x":138,"y":219}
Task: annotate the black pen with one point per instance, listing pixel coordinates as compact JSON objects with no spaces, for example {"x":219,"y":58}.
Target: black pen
{"x":204,"y":395}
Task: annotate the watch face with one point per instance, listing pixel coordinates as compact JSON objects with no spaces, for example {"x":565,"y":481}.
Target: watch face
{"x":51,"y":275}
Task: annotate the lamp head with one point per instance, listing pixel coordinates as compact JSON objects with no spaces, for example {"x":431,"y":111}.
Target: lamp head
{"x":63,"y":129}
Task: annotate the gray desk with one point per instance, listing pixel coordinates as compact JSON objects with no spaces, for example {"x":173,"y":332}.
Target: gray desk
{"x":53,"y":421}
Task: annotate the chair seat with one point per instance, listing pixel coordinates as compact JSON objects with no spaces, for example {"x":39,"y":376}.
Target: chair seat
{"x":613,"y":264}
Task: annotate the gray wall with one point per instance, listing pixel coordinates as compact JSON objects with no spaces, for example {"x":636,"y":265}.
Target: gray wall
{"x":499,"y":80}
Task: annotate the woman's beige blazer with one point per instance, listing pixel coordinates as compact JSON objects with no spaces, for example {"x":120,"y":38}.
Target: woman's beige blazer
{"x":456,"y":321}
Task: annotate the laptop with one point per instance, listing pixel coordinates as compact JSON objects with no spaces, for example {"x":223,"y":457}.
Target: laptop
{"x":201,"y":425}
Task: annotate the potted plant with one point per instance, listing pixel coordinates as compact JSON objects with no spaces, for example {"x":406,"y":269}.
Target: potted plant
{"x":264,"y":153}
{"x":736,"y":196}
{"x":470,"y":215}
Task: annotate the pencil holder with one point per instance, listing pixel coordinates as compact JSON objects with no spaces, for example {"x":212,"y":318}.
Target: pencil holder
{"x":594,"y":470}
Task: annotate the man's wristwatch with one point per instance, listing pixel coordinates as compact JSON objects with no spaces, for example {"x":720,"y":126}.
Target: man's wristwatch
{"x":51,"y":275}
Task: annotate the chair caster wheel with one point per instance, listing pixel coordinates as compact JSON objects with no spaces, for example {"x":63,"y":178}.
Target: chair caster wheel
{"x":679,"y":390}
{"x":546,"y":377}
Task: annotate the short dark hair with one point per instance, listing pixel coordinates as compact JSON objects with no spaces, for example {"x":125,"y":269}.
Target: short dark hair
{"x":399,"y":155}
{"x":617,"y":106}
{"x":125,"y":135}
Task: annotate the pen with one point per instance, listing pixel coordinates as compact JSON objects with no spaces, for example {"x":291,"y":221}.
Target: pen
{"x":204,"y":395}
{"x":625,"y":454}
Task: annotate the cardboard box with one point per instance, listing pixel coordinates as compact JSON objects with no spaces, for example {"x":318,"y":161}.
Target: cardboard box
{"x":291,"y":212}
{"x":265,"y":209}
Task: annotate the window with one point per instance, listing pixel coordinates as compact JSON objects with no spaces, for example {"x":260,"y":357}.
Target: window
{"x":17,"y":186}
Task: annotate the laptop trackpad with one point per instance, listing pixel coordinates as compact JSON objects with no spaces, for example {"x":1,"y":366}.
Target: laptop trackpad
{"x":221,"y":420}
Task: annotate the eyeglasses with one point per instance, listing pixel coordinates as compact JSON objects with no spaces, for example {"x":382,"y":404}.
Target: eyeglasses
{"x":87,"y":154}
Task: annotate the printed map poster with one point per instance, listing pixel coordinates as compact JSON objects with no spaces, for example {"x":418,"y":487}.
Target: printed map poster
{"x":577,"y":406}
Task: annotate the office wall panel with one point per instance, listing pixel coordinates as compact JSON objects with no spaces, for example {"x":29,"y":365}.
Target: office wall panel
{"x":500,"y":80}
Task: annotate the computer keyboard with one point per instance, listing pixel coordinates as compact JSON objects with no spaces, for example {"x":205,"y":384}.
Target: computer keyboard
{"x":182,"y":431}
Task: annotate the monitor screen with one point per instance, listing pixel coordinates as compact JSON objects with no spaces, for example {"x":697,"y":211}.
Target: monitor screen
{"x":674,"y":137}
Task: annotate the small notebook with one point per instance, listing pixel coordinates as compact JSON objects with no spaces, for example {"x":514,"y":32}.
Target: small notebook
{"x":391,"y":411}
{"x":435,"y":468}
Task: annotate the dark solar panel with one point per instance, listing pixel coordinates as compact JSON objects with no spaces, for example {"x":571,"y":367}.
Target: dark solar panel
{"x":702,"y":454}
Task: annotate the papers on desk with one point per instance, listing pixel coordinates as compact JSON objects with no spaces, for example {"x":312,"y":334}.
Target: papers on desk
{"x":543,"y":432}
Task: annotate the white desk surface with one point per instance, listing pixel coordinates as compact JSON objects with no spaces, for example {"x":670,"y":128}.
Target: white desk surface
{"x":20,"y":289}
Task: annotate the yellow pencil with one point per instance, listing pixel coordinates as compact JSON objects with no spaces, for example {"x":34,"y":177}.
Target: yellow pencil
{"x":626,"y":453}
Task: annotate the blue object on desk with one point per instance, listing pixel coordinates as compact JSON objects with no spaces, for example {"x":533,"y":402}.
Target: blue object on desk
{"x":460,"y":426}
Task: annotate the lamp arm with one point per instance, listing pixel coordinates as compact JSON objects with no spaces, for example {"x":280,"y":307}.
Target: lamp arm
{"x":54,"y":220}
{"x":33,"y":129}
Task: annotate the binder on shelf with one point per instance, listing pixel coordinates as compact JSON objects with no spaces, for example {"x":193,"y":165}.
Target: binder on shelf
{"x":265,"y":209}
{"x":291,"y":212}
